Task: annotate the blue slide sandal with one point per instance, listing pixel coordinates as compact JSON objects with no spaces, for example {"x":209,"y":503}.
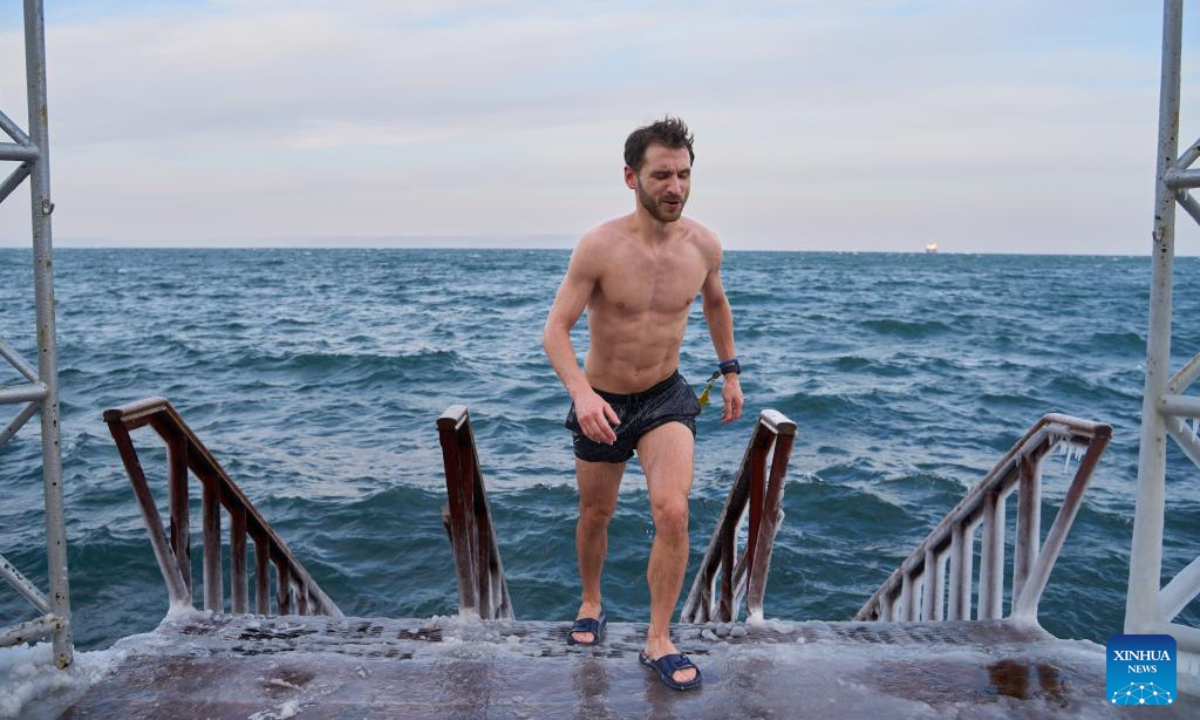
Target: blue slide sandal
{"x":595,"y":626}
{"x":666,"y":667}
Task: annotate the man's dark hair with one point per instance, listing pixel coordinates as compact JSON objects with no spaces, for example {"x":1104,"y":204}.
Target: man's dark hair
{"x":670,"y":132}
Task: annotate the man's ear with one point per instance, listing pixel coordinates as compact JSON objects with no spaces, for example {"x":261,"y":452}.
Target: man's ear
{"x":630,"y":178}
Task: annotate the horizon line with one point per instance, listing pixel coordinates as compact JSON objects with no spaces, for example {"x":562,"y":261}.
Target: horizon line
{"x":448,"y":243}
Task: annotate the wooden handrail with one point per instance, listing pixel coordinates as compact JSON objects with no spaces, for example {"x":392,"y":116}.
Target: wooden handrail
{"x":482,"y":587}
{"x":917,"y":590}
{"x":773,"y":437}
{"x":295,"y":588}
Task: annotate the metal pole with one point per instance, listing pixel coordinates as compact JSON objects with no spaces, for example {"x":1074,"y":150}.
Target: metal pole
{"x":13,"y":358}
{"x":1145,"y":560}
{"x":23,"y":393}
{"x":11,"y":129}
{"x":23,"y":417}
{"x":24,"y":153}
{"x":9,"y":572}
{"x":14,"y":180}
{"x":39,"y":176}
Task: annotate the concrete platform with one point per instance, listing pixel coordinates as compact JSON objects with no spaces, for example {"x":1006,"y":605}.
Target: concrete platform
{"x":252,"y":668}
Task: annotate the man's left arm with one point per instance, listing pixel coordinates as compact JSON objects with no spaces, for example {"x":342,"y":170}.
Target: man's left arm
{"x":720,"y":326}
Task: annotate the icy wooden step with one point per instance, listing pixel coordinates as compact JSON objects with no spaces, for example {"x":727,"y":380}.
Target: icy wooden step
{"x":200,"y":666}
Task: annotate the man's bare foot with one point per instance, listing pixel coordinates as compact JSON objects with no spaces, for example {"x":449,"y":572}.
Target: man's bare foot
{"x":658,"y":648}
{"x":586,"y":610}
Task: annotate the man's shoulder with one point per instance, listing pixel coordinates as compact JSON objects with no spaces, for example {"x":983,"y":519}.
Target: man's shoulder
{"x":613,"y":229}
{"x":603,"y":237}
{"x":594,"y":251}
{"x":702,"y":233}
{"x":705,"y":240}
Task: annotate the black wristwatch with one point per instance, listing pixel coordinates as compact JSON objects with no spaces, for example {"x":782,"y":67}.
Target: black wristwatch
{"x":730,"y":366}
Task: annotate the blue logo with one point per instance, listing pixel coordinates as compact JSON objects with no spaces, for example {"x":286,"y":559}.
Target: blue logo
{"x":1140,"y":669}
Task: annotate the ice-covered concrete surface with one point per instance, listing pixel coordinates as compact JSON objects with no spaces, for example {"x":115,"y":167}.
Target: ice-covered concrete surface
{"x":253,"y":668}
{"x":28,"y":674}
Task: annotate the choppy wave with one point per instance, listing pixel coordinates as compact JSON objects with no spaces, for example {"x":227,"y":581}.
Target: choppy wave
{"x":906,"y":328}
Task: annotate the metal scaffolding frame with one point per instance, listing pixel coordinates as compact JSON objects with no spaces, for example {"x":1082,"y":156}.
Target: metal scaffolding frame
{"x":1150,"y":607}
{"x":39,"y":391}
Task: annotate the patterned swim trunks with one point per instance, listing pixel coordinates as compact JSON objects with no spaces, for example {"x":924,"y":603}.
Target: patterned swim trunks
{"x":671,"y":400}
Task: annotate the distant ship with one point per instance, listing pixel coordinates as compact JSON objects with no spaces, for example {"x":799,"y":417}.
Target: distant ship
{"x":930,"y":247}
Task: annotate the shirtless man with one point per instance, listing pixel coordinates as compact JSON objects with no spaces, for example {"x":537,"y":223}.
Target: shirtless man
{"x":638,"y":275}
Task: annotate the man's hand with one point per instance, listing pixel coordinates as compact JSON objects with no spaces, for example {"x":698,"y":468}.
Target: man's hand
{"x":731,"y":394}
{"x":596,"y":417}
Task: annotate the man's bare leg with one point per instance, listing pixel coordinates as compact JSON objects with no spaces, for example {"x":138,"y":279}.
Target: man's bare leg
{"x":598,"y":485}
{"x":666,"y":454}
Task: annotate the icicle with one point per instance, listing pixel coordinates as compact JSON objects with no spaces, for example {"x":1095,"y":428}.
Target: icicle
{"x":1073,"y":453}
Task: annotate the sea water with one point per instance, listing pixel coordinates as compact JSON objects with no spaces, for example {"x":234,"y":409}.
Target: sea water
{"x":315,"y":377}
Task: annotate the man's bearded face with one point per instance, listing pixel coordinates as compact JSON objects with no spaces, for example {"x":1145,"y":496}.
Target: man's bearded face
{"x":664,"y":182}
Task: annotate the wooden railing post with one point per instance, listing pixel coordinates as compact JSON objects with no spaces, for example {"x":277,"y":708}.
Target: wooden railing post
{"x":283,"y":588}
{"x":262,"y":576}
{"x":177,"y":478}
{"x":301,"y":599}
{"x":941,"y":586}
{"x":238,"y":578}
{"x":727,"y":553}
{"x":745,"y":573}
{"x":932,"y":586}
{"x":1029,"y":523}
{"x":466,"y":490}
{"x":482,"y":587}
{"x":991,"y":564}
{"x":461,"y":537}
{"x":210,"y":508}
{"x":772,"y":517}
{"x":960,"y":568}
{"x":906,"y":597}
{"x":966,"y":591}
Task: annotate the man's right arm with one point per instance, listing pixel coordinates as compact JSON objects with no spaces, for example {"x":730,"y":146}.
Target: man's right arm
{"x":583,"y":274}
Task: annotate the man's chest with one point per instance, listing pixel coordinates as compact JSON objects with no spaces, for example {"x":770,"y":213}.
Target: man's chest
{"x":640,"y":285}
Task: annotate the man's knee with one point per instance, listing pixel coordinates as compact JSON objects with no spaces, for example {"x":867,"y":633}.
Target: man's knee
{"x":595,"y":514}
{"x":671,"y":518}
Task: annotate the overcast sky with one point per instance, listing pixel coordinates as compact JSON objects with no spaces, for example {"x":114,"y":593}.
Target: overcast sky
{"x":983,"y":125}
